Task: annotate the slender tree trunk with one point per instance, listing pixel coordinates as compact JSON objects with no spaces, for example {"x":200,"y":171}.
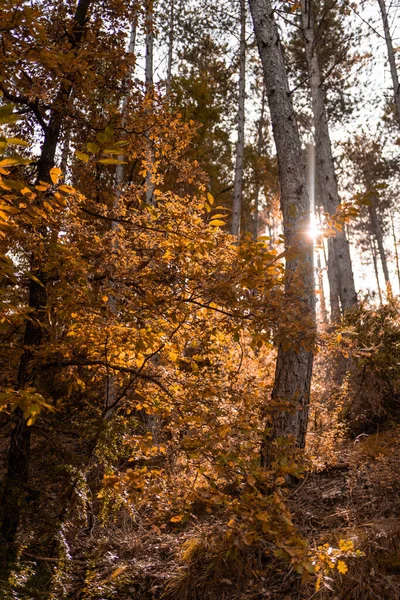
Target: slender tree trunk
{"x":119,"y":172}
{"x":377,"y":232}
{"x":237,"y":188}
{"x":391,"y":58}
{"x":171,"y":39}
{"x":375,"y":262}
{"x":396,"y":250}
{"x":294,"y":365}
{"x":19,"y":451}
{"x":150,"y":92}
{"x":340,"y":273}
{"x":321,"y":295}
{"x":260,"y":147}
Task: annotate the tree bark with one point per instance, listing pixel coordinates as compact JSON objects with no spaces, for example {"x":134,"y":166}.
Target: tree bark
{"x":396,"y":250}
{"x":171,"y":39}
{"x":294,"y":364}
{"x":321,"y":295}
{"x":375,"y":262}
{"x":237,"y":187}
{"x":340,"y":272}
{"x":149,"y":82}
{"x":391,"y":58}
{"x":377,"y":232}
{"x":19,"y":451}
{"x":260,"y":146}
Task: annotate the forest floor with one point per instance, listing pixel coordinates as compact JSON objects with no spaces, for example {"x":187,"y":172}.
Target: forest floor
{"x":355,"y":498}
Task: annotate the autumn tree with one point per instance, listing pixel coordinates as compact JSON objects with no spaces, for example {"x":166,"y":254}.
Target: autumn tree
{"x":294,"y":364}
{"x":340,"y":273}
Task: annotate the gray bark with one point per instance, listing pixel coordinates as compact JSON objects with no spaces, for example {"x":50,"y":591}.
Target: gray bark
{"x":377,"y":232}
{"x":391,"y":58}
{"x":396,"y":250}
{"x":171,"y":38}
{"x":340,"y":273}
{"x":260,"y":145}
{"x":237,"y":187}
{"x":294,"y":364}
{"x":321,"y":295}
{"x":375,"y":262}
{"x":119,"y":172}
{"x":150,"y":91}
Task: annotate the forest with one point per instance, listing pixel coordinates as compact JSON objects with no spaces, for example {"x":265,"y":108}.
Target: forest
{"x":199,"y":290}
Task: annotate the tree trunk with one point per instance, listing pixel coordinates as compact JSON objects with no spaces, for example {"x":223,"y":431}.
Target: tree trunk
{"x":396,"y":250}
{"x":150,"y":91}
{"x":237,"y":188}
{"x":377,"y":232}
{"x":19,"y":450}
{"x":294,"y":365}
{"x":321,"y":295}
{"x":171,"y":39}
{"x":375,"y":262}
{"x":391,"y":58}
{"x":340,"y":273}
{"x":260,"y":146}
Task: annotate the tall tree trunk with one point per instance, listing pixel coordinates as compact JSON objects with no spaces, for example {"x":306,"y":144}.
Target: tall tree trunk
{"x":260,"y":146}
{"x":377,"y":232}
{"x":294,"y":365}
{"x":391,"y":58}
{"x":19,"y":452}
{"x":237,"y":187}
{"x":375,"y":262}
{"x":149,"y":82}
{"x":396,"y":249}
{"x":171,"y":39}
{"x":340,"y":272}
{"x":321,"y":295}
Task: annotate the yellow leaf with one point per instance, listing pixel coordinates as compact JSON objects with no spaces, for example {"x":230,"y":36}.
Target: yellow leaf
{"x":342,"y":567}
{"x":111,"y":161}
{"x":210,"y":198}
{"x":48,"y":206}
{"x":15,"y":160}
{"x":177,"y":518}
{"x":104,"y":298}
{"x":217,"y":223}
{"x":118,"y":571}
{"x":262,"y":517}
{"x":82,"y":156}
{"x":17,"y":142}
{"x":92,"y":147}
{"x":346,"y":545}
{"x":55,"y":174}
{"x":66,"y":188}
